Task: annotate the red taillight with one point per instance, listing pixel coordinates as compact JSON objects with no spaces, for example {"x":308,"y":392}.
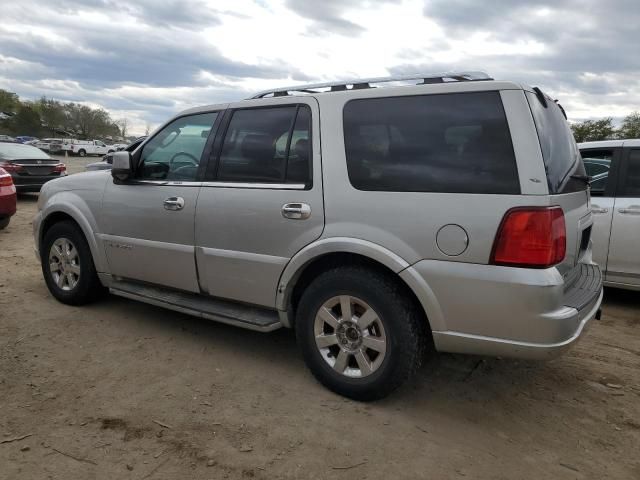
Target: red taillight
{"x":5,"y":179}
{"x":10,"y":167}
{"x":60,"y":168}
{"x":531,"y":237}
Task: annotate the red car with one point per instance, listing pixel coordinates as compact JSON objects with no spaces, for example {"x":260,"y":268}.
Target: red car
{"x":7,"y":198}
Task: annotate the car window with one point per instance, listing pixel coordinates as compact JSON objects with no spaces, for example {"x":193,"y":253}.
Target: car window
{"x":560,"y":152}
{"x":430,"y":143}
{"x":267,"y":145}
{"x":175,"y":152}
{"x":597,"y":164}
{"x":631,"y":187}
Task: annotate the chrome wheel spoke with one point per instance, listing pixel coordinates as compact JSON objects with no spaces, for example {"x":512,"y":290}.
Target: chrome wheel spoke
{"x":345,"y":307}
{"x":59,"y":278}
{"x":324,"y":341}
{"x":363,"y":362}
{"x":375,"y":343}
{"x":64,"y":264}
{"x":75,"y":269}
{"x":367,"y":319}
{"x":54,"y":267}
{"x":325,"y":314}
{"x":341,"y":361}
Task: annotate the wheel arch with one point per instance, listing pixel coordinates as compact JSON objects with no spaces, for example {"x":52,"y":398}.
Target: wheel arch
{"x":326,"y":254}
{"x":66,"y":209}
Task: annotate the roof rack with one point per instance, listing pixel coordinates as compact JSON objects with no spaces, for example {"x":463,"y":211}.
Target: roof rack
{"x":361,"y":83}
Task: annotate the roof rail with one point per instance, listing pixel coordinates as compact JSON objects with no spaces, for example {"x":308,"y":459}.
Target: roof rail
{"x":369,"y":83}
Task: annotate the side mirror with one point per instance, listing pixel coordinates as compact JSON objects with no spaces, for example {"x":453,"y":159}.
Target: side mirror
{"x":122,"y":168}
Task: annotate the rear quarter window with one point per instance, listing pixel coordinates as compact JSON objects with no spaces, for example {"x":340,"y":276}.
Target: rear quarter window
{"x":457,"y":143}
{"x":559,"y":150}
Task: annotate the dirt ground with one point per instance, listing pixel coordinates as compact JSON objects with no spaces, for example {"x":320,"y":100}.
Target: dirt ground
{"x":120,"y":390}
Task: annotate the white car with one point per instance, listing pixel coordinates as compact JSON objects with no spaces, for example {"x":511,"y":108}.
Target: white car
{"x":83,"y":148}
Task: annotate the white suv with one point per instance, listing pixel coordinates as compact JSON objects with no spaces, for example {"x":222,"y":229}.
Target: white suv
{"x":450,"y":213}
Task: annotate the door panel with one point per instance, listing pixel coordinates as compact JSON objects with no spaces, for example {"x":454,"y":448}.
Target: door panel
{"x":624,"y":253}
{"x":602,"y":210}
{"x":243,"y":240}
{"x":145,"y":241}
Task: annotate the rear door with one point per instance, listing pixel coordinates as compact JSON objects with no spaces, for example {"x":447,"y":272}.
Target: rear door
{"x":262,"y":198}
{"x":624,"y":251}
{"x":602,"y":165}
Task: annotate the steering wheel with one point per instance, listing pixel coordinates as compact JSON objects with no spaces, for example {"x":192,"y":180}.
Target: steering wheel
{"x":193,"y":159}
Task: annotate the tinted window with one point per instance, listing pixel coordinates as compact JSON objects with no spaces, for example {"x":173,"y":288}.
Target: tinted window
{"x":267,"y":145}
{"x":432,"y":143}
{"x":559,"y":150}
{"x":632,"y":178}
{"x":174,"y":153}
{"x":16,"y":151}
{"x":597,"y":164}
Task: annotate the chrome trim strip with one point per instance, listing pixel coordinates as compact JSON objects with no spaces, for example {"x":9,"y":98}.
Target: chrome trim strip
{"x":262,"y":186}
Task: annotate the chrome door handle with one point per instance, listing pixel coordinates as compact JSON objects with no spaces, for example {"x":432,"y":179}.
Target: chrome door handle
{"x":597,"y":209}
{"x":174,"y":203}
{"x":632,"y":210}
{"x":296,"y":211}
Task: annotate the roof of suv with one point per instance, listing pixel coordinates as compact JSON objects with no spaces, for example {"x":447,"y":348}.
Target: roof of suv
{"x":463,"y":80}
{"x":631,"y":142}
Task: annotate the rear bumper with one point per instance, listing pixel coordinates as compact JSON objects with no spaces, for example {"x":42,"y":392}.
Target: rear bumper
{"x":510,"y":312}
{"x":7,"y":202}
{"x":31,"y":183}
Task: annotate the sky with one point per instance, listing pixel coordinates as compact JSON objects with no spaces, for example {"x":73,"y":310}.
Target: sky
{"x":146,"y":60}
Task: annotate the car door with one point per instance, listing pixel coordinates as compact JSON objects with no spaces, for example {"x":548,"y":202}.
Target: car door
{"x":262,"y":198}
{"x":624,"y":254}
{"x":148,"y":223}
{"x":602,"y":165}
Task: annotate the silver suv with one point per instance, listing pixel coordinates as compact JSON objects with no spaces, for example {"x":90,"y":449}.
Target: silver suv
{"x":379,"y":218}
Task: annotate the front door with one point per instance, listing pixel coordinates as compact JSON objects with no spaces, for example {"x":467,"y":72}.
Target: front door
{"x":148,"y":223}
{"x":624,"y":250}
{"x":262,"y":199}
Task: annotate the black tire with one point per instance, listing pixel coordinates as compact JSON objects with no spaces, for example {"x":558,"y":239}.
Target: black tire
{"x":404,"y":324}
{"x":4,"y":222}
{"x":88,"y":287}
{"x":82,"y":153}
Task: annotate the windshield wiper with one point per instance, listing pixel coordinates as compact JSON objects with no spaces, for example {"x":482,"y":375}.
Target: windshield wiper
{"x":585,"y":178}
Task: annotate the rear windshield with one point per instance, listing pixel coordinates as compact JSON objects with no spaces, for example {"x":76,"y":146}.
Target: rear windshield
{"x":562,"y":160}
{"x":456,"y":142}
{"x":17,"y":151}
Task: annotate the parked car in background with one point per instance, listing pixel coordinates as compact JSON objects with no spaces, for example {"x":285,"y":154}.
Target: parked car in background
{"x":50,"y":145}
{"x":107,"y":160}
{"x":29,"y":166}
{"x":26,"y":138}
{"x":7,"y":198}
{"x":83,"y":148}
{"x":614,"y":166}
{"x":118,"y":147}
{"x":7,"y":138}
{"x":377,"y":220}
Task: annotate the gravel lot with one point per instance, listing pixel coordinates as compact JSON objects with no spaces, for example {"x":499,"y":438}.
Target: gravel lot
{"x":121,"y":389}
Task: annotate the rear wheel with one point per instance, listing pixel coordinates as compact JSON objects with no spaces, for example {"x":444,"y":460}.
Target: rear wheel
{"x":67,"y":265}
{"x":82,"y":153}
{"x":359,"y":332}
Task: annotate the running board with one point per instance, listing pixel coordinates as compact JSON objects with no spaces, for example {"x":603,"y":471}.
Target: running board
{"x":224,"y":311}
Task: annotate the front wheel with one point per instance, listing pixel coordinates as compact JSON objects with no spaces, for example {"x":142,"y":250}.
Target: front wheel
{"x":360,"y":334}
{"x":67,"y":265}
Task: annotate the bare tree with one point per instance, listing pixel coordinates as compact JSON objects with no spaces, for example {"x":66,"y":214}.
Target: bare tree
{"x":124,"y":127}
{"x":147,"y":129}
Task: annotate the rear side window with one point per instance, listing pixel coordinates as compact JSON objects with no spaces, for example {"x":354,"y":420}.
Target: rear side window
{"x":267,"y":145}
{"x":597,"y":164}
{"x":456,"y":142}
{"x":631,"y":186}
{"x":559,"y":150}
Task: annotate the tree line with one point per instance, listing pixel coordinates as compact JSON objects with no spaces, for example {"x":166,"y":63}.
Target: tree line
{"x":604,"y":129}
{"x":47,"y":117}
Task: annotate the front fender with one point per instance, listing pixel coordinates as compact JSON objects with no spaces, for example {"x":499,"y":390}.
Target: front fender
{"x":72,"y":203}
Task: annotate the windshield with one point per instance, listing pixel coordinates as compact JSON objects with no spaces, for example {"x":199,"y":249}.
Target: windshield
{"x":17,"y":151}
{"x":562,"y":160}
